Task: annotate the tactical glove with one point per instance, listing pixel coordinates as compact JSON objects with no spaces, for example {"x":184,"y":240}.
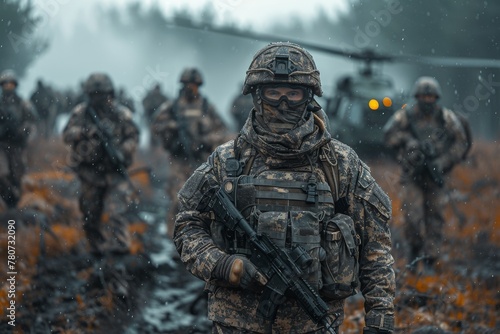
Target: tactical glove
{"x":238,"y":271}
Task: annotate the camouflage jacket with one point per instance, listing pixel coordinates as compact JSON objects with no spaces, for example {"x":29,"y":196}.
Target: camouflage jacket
{"x":369,"y":207}
{"x":88,"y":156}
{"x":17,"y":117}
{"x":189,"y":130}
{"x":409,"y":128}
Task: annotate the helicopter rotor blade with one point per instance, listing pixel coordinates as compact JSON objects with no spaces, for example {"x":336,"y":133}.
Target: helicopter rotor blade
{"x":262,"y":37}
{"x":450,"y":61}
{"x":366,"y":55}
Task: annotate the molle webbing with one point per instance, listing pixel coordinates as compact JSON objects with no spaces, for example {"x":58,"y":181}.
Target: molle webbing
{"x":279,"y":195}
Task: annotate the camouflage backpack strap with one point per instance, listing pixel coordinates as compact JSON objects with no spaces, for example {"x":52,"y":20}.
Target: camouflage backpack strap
{"x":330,"y":166}
{"x":240,"y":165}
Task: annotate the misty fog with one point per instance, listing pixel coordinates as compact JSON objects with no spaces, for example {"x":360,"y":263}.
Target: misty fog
{"x":140,"y":45}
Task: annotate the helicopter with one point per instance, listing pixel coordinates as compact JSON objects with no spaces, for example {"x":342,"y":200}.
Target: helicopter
{"x":362,"y":102}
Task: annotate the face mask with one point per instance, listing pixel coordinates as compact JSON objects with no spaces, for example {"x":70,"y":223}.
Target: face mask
{"x":190,"y":92}
{"x":99,"y":100}
{"x":282,"y":118}
{"x":426,"y":107}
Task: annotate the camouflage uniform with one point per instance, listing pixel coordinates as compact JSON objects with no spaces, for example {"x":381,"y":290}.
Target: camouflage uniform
{"x":104,"y":196}
{"x":189,"y":129}
{"x":271,"y":194}
{"x":16,"y":118}
{"x":411,"y":132}
{"x":152,"y":101}
{"x":45,"y":102}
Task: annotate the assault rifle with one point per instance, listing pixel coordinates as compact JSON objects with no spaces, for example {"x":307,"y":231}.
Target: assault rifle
{"x":282,"y":269}
{"x":420,"y":159}
{"x":106,"y":138}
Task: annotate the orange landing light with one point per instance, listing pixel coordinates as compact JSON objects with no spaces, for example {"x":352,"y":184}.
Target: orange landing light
{"x":373,"y":104}
{"x":387,"y":102}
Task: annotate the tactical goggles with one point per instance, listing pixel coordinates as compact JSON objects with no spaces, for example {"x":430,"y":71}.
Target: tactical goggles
{"x":293,"y":95}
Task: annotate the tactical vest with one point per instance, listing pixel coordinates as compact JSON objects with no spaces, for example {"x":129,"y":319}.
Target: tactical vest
{"x":188,"y":118}
{"x":290,"y":206}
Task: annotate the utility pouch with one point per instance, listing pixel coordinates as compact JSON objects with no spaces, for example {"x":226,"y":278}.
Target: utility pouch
{"x":298,"y":233}
{"x":340,"y":267}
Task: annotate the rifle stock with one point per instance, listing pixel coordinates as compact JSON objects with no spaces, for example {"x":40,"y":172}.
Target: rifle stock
{"x":282,"y":272}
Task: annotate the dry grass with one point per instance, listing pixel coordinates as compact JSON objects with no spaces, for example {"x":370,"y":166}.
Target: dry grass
{"x":464,"y":294}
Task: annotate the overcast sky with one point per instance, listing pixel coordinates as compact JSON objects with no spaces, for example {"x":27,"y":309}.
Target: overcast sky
{"x":73,"y":55}
{"x":255,"y":13}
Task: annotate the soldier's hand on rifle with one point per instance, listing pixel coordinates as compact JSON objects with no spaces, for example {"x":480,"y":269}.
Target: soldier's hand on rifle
{"x":238,"y":271}
{"x":428,"y":148}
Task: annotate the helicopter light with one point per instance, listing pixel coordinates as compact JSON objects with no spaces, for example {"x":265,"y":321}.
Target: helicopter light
{"x":373,"y":104}
{"x":387,"y":102}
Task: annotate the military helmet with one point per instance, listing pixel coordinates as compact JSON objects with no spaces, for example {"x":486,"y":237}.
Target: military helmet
{"x":426,"y":86}
{"x":191,"y":75}
{"x":98,"y":83}
{"x":8,"y":76}
{"x":283,"y":62}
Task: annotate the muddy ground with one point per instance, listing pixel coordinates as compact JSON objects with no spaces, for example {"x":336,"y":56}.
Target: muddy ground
{"x":61,"y":289}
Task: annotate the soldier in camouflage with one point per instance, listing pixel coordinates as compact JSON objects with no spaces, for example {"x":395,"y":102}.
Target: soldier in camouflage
{"x":151,"y":104}
{"x":17,"y":119}
{"x":104,"y":195}
{"x":293,"y":182}
{"x":189,"y":129}
{"x":152,"y":101}
{"x":429,"y":140}
{"x":45,"y":102}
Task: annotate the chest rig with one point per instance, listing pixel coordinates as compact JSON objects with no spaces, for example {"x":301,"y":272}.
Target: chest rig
{"x":289,"y":205}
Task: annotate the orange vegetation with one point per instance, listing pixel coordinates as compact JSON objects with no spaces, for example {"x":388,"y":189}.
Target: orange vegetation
{"x":464,"y":293}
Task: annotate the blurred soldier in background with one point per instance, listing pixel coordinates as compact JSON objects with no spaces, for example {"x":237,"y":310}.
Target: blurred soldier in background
{"x":152,"y":101}
{"x":189,"y":129}
{"x":17,"y":117}
{"x":429,"y":140}
{"x":44,"y":100}
{"x":103,"y":139}
{"x":151,"y":104}
{"x":240,"y":108}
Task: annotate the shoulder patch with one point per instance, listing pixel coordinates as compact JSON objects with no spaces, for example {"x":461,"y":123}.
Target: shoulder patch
{"x":195,"y":187}
{"x":369,"y":191}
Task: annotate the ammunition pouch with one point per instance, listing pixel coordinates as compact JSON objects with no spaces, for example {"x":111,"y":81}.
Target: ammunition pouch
{"x":340,"y":267}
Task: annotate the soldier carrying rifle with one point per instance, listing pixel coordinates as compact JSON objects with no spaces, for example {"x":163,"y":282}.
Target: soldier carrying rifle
{"x":284,"y":222}
{"x":103,"y":139}
{"x":17,"y":119}
{"x":189,"y":128}
{"x":429,"y":140}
